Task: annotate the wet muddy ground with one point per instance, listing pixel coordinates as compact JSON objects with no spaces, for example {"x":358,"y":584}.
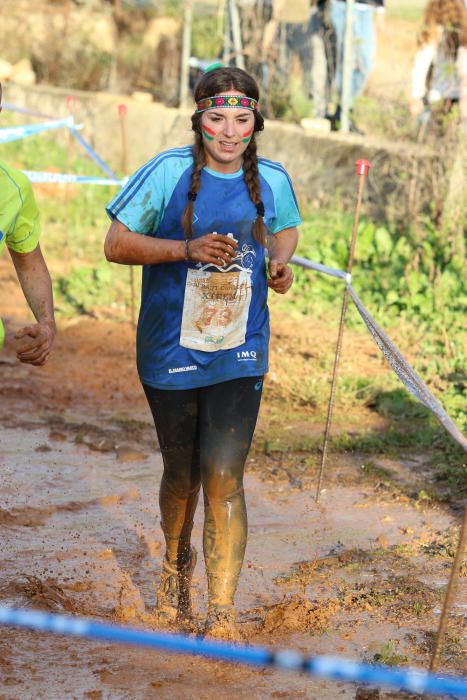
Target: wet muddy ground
{"x":361,"y":575}
{"x":358,"y":575}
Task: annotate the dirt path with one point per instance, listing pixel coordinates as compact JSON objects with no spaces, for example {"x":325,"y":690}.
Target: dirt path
{"x":361,"y":575}
{"x":81,"y":535}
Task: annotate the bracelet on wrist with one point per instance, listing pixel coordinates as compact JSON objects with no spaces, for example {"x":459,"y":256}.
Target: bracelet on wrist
{"x":187,"y":250}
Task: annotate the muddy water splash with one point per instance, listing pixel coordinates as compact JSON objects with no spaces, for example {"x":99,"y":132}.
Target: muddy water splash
{"x":80,"y":533}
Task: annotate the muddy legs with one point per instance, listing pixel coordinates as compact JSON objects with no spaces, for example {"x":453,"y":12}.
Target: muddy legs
{"x":177,"y":512}
{"x":204,"y":435}
{"x":224,"y":541}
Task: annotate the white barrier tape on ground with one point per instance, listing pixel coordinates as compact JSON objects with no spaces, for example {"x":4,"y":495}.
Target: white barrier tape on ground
{"x":16,"y":133}
{"x":332,"y":667}
{"x":64,"y":178}
{"x":401,"y":367}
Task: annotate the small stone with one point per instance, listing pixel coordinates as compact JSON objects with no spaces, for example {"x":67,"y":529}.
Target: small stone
{"x":382,"y":541}
{"x":127,"y":454}
{"x":43,"y":448}
{"x":102,"y":445}
{"x":57,"y":436}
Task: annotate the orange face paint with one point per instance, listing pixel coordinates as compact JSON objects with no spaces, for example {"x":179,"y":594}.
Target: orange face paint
{"x":208,"y":133}
{"x":247,"y":135}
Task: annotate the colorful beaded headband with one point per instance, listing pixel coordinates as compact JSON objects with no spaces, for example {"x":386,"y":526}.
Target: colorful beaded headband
{"x":227,"y":101}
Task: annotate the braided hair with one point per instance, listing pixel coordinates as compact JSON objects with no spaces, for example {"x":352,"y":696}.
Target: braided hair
{"x":215,"y":82}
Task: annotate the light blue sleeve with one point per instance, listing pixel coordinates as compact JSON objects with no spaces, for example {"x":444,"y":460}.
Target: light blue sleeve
{"x":287,"y":214}
{"x":140,"y":204}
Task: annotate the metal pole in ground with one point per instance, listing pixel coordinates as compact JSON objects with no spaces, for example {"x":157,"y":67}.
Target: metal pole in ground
{"x":71,"y":103}
{"x":347,"y":67}
{"x":227,"y":34}
{"x":122,"y":112}
{"x":237,"y":34}
{"x":450,"y":592}
{"x":362,"y":167}
{"x":186,"y":51}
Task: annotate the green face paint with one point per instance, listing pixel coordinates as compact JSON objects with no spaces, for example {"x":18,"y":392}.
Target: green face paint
{"x":208,"y":133}
{"x":247,"y":135}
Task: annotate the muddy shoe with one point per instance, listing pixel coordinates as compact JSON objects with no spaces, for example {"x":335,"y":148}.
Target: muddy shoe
{"x":173,"y":603}
{"x":221,"y":623}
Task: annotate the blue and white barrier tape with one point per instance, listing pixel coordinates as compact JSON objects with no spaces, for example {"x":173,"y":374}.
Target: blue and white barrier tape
{"x":401,"y":367}
{"x":14,"y":133}
{"x":322,"y":666}
{"x":92,"y":153}
{"x":24,"y":110}
{"x":73,"y":130}
{"x":67,"y":178}
{"x":310,"y":265}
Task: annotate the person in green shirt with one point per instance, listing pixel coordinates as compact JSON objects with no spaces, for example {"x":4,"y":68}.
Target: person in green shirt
{"x":19,"y":231}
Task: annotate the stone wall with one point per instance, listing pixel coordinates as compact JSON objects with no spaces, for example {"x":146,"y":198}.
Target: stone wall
{"x":321,"y":165}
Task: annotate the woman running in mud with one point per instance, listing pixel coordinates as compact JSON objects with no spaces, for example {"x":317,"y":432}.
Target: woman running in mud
{"x":200,"y":220}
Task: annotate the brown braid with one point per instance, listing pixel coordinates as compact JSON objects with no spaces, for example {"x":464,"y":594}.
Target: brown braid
{"x":215,"y":82}
{"x":200,"y":161}
{"x":251,"y":176}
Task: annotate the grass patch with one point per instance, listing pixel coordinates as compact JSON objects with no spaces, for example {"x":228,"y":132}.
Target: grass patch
{"x":407,"y":10}
{"x":388,"y":656}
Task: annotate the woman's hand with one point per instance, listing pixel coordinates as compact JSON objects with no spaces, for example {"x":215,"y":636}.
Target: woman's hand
{"x":281,"y":248}
{"x":212,"y":248}
{"x":280,"y":276}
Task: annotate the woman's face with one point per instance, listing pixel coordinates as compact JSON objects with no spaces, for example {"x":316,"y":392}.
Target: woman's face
{"x":226,"y":134}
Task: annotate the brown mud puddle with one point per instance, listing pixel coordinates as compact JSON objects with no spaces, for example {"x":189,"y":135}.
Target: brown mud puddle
{"x":80,"y":529}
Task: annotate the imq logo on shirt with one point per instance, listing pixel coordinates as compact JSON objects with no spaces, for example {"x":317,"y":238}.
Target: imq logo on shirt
{"x":246,"y":356}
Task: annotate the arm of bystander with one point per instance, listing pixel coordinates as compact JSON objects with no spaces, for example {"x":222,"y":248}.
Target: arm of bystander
{"x":33,"y":343}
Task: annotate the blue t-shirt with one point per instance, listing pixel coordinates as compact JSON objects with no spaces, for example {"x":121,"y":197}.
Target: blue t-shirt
{"x":177,"y":344}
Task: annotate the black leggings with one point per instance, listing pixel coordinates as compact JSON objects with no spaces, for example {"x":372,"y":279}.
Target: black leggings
{"x":204,"y":436}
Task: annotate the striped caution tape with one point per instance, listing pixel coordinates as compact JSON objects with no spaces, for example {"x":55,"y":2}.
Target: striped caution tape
{"x":410,"y":379}
{"x":15,"y":133}
{"x":331,"y":667}
{"x":318,"y":267}
{"x":67,"y":178}
{"x":92,"y":153}
{"x":25,"y":110}
{"x":73,"y":130}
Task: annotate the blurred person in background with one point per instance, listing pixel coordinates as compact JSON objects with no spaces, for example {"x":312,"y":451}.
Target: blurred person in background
{"x":314,"y":42}
{"x":366,"y":13}
{"x":440,"y":66}
{"x":200,"y":219}
{"x":20,"y":231}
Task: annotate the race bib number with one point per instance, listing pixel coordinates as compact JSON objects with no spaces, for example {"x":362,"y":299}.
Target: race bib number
{"x":215,"y":310}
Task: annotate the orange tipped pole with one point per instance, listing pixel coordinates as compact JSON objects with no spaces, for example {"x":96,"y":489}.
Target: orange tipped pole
{"x":362,"y":169}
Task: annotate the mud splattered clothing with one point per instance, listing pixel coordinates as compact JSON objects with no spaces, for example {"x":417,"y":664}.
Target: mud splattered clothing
{"x":19,"y":215}
{"x":202,"y":324}
{"x":204,"y":436}
{"x":202,"y":349}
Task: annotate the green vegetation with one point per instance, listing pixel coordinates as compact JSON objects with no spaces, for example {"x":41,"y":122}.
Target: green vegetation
{"x":410,"y":278}
{"x":407,"y":279}
{"x":408,"y":10}
{"x":388,"y":655}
